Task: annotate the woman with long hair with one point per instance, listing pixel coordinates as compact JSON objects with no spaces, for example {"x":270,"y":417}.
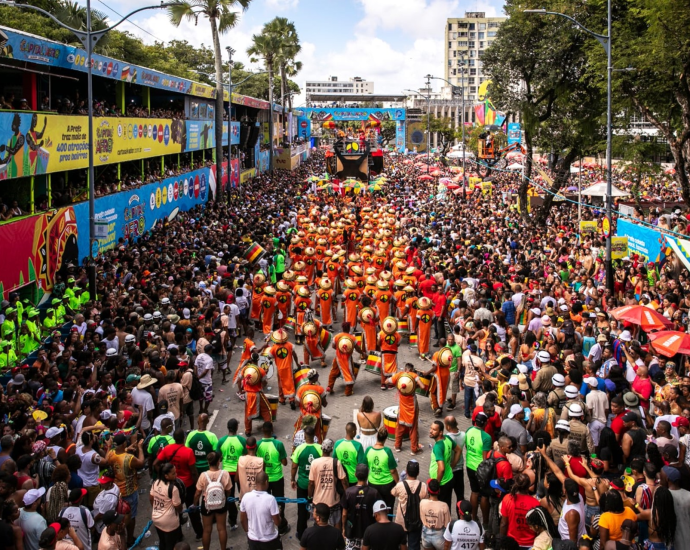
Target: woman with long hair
{"x":552,"y":501}
{"x":369,"y":422}
{"x":513,"y":510}
{"x":56,"y":497}
{"x":540,"y":521}
{"x":166,"y":505}
{"x":53,"y":536}
{"x":9,"y":513}
{"x":611,"y":521}
{"x":610,"y":453}
{"x":214,"y":474}
{"x":662,"y":521}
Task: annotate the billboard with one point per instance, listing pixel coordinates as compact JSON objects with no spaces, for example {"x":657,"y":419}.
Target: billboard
{"x":514,"y":133}
{"x":321,"y":115}
{"x":642,"y":240}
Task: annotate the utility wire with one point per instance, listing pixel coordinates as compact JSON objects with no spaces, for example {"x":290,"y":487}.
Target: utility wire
{"x":131,"y":22}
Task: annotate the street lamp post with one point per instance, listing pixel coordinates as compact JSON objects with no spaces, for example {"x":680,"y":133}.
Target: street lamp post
{"x":88,"y":40}
{"x":605,"y":41}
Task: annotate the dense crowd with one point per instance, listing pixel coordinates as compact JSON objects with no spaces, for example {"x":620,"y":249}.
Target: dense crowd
{"x":578,"y":426}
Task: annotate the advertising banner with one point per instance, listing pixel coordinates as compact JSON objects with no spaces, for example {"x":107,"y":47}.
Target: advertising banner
{"x":642,"y":240}
{"x":262,"y":161}
{"x":234,"y":172}
{"x":201,"y":134}
{"x":321,"y":115}
{"x":619,"y":248}
{"x":588,"y":228}
{"x":131,"y":213}
{"x":247,"y":175}
{"x":34,"y":49}
{"x":514,"y":133}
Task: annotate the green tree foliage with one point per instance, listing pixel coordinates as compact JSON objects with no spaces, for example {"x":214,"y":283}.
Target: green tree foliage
{"x":443,"y":128}
{"x":538,"y":69}
{"x":388,"y":132}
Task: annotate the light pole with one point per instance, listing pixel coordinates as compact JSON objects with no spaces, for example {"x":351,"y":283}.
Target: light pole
{"x":88,"y":40}
{"x":605,"y":41}
{"x":428,"y":126}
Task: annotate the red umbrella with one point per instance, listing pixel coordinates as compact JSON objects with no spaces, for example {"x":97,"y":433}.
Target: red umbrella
{"x":435,"y":173}
{"x":670,"y":342}
{"x":647,"y":318}
{"x":425,"y":178}
{"x":452,"y":186}
{"x":424,"y":168}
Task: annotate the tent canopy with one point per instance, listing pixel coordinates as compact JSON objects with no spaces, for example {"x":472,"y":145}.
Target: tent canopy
{"x":599,"y":190}
{"x":515,"y":166}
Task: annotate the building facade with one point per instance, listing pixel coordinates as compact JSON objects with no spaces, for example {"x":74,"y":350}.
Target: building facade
{"x":467,"y":38}
{"x":355,"y":85}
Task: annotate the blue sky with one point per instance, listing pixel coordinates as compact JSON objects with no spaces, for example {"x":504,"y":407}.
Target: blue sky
{"x":391,"y":42}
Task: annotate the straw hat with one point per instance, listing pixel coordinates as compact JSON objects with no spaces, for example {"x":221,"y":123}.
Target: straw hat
{"x":406,"y":384}
{"x":382,"y":285}
{"x":289,"y":275}
{"x":357,"y":270}
{"x":329,"y":253}
{"x":399,"y":283}
{"x":349,"y":283}
{"x":322,"y":242}
{"x":445,"y":357}
{"x":367,"y":314}
{"x":279,"y":336}
{"x":282,"y":286}
{"x":386,"y":275}
{"x":371,"y":280}
{"x":309,"y":251}
{"x":270,"y":291}
{"x":409,"y":289}
{"x":354,"y":257}
{"x":326,"y":284}
{"x":300,"y":265}
{"x":370,"y":271}
{"x":309,"y":328}
{"x":295,"y":240}
{"x":259,"y":279}
{"x":410,"y":270}
{"x":302,"y":280}
{"x":424,"y":303}
{"x":251,"y":374}
{"x":311,"y":400}
{"x":369,"y":248}
{"x":345,"y":345}
{"x":303,"y":291}
{"x":389,"y":325}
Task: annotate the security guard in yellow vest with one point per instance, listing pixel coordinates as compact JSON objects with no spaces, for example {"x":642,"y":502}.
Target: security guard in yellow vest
{"x":49,"y":323}
{"x":8,"y":358}
{"x":34,"y":331}
{"x":8,"y":330}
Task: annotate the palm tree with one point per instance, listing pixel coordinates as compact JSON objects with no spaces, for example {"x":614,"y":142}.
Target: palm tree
{"x":221,"y":17}
{"x":267,"y":46}
{"x":74,"y":15}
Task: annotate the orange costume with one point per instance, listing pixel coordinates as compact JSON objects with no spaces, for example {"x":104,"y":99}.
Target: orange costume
{"x":310,"y":262}
{"x":255,"y":404}
{"x":247,"y":348}
{"x":282,"y":353}
{"x":411,"y":305}
{"x":268,"y":309}
{"x":440,"y":378}
{"x":284,"y":299}
{"x":257,"y":295}
{"x":384,"y":298}
{"x":302,"y":304}
{"x":312,"y":350}
{"x":326,"y":305}
{"x":389,"y":353}
{"x":309,"y":409}
{"x":424,"y":317}
{"x":408,"y":412}
{"x":369,"y":326}
{"x":341,"y":364}
{"x":351,"y":303}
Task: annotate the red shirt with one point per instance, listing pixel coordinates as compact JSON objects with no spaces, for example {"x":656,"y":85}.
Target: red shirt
{"x":182,"y":457}
{"x":503,"y":468}
{"x":425,"y":287}
{"x":515,"y":508}
{"x":439,"y":300}
{"x":618,"y":426}
{"x":493,"y":425}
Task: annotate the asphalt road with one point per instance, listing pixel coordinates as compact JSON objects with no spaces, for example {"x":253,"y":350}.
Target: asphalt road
{"x":340,"y":408}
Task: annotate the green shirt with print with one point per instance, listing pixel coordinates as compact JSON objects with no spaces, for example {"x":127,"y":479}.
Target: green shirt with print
{"x":156,"y":443}
{"x":349,"y":453}
{"x":272,"y":451}
{"x":457,"y":354}
{"x":380,"y":462}
{"x":442,"y":451}
{"x":303,"y":456}
{"x":201,"y":443}
{"x":231,"y":448}
{"x":477,"y":442}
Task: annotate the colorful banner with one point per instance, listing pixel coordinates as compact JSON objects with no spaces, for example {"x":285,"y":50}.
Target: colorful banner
{"x":200,"y":135}
{"x":247,"y":175}
{"x":619,"y":248}
{"x":588,"y":228}
{"x":33,"y":49}
{"x":234,"y":172}
{"x":131,"y":213}
{"x":642,"y":240}
{"x":320,"y":115}
{"x":486,"y":188}
{"x":262,"y":161}
{"x":514,"y":133}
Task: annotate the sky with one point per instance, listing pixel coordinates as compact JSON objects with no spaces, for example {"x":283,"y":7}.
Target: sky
{"x":393,"y":43}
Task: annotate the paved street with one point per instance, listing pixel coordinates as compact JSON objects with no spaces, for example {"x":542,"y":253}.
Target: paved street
{"x":226,"y":405}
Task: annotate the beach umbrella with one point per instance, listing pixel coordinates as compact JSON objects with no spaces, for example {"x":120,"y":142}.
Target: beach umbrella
{"x":452,"y":186}
{"x":671,"y":342}
{"x":435,"y":173}
{"x":643,"y":316}
{"x":425,"y":178}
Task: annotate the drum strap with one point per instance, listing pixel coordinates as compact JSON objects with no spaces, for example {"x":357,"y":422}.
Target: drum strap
{"x":371,"y":424}
{"x":389,"y":352}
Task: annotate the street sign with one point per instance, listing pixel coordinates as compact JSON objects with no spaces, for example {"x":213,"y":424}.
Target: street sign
{"x":100,"y":230}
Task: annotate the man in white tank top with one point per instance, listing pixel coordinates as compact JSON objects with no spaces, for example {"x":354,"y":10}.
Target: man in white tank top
{"x":571,"y":525}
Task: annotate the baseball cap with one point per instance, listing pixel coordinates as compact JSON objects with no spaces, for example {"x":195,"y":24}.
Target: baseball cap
{"x":76,"y":495}
{"x":495,"y":484}
{"x":681,"y":421}
{"x":111,"y":516}
{"x":630,"y":417}
{"x":465,"y":508}
{"x":53,"y":431}
{"x":32,"y":495}
{"x":481,"y":419}
{"x":592,"y":381}
{"x":379,"y":506}
{"x":327,"y":445}
{"x":119,"y":439}
{"x":105,"y":479}
{"x":514,"y":410}
{"x":673,"y":474}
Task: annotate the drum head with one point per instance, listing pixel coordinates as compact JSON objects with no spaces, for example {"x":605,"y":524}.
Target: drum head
{"x":266,"y":363}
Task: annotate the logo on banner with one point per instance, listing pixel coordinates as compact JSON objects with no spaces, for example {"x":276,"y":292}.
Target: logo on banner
{"x":196,"y":187}
{"x":176,"y":190}
{"x":202,"y":190}
{"x":166,"y":134}
{"x":158,"y":197}
{"x":170,"y":192}
{"x":186,"y":187}
{"x":164,"y":195}
{"x":154,"y":132}
{"x":152,"y":201}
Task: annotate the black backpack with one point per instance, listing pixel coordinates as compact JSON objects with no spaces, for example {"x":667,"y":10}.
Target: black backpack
{"x":486,"y":471}
{"x":217,"y":343}
{"x":413,"y":520}
{"x":196,"y":392}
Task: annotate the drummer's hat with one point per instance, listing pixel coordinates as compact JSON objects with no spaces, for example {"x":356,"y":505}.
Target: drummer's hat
{"x":386,"y":275}
{"x":304,"y":292}
{"x":399,"y":282}
{"x":357,"y":270}
{"x":408,"y":289}
{"x":309,"y":328}
{"x":445,"y":357}
{"x":302,"y":280}
{"x":382,"y":285}
{"x":279,"y":336}
{"x":367,"y":314}
{"x":389,"y":325}
{"x":349,"y":283}
{"x":282,"y":286}
{"x":406,"y":384}
{"x":259,"y":279}
{"x":251,"y":373}
{"x":371,"y":280}
{"x":326,"y":284}
{"x":269,"y":290}
{"x":410,"y":270}
{"x":300,"y":265}
{"x":289,"y":275}
{"x":309,"y":251}
{"x":345,"y":345}
{"x":424,"y":303}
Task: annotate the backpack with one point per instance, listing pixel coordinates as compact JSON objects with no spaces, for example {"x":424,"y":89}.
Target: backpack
{"x":568,"y":328}
{"x":214,"y":496}
{"x":217,"y":343}
{"x":338,"y":484}
{"x":413,"y":520}
{"x":561,"y":402}
{"x":196,"y":392}
{"x":486,"y":471}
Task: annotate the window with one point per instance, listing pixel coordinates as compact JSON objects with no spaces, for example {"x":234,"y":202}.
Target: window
{"x":450,"y":26}
{"x":473,"y":89}
{"x":482,"y":26}
{"x":471,"y":26}
{"x":491,"y":34}
{"x":473,"y":72}
{"x":481,"y":45}
{"x":473,"y":53}
{"x":473,"y":35}
{"x":471,"y":63}
{"x":470,"y":80}
{"x":494,"y":25}
{"x":463,"y":25}
{"x":480,"y":53}
{"x":472,"y":45}
{"x":454,"y":53}
{"x":454,"y":35}
{"x":462,"y":35}
{"x":481,"y":36}
{"x":462,"y":44}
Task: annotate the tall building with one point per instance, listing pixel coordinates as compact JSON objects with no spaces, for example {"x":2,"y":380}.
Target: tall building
{"x":355,"y":85}
{"x":466,"y":39}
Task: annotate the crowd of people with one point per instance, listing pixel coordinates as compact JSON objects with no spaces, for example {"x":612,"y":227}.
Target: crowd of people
{"x":574,"y":428}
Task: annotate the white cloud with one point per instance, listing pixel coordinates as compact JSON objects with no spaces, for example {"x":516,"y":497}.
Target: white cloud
{"x":282,"y":5}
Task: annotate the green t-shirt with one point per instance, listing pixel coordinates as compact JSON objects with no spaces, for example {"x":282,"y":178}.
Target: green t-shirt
{"x":201,"y":443}
{"x":303,"y":456}
{"x":457,"y":354}
{"x":279,"y":259}
{"x":443,"y":450}
{"x":477,"y":442}
{"x":272,"y":451}
{"x":380,"y":462}
{"x":350,"y":453}
{"x":156,"y":443}
{"x":231,"y":448}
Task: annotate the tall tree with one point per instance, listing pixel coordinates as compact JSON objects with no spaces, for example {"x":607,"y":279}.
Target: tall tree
{"x":535,"y":64}
{"x":267,"y":46}
{"x":221,"y":18}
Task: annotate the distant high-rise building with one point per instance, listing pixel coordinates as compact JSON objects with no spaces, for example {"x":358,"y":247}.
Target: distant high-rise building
{"x":355,"y":85}
{"x":468,"y":37}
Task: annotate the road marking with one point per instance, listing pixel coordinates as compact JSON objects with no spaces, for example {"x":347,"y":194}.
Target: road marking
{"x":213,"y":417}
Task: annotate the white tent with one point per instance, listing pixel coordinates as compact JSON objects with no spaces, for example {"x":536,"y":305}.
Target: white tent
{"x":599,"y":190}
{"x":515,"y":166}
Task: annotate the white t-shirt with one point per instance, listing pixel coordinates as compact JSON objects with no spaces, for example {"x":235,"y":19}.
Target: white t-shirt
{"x":81,"y":520}
{"x":143,"y":399}
{"x":106,"y":500}
{"x":204,"y":368}
{"x":232,"y":316}
{"x":466,"y":535}
{"x":260,"y":508}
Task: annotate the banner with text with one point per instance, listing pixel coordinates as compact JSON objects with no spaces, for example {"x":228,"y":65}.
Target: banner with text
{"x":642,"y":240}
